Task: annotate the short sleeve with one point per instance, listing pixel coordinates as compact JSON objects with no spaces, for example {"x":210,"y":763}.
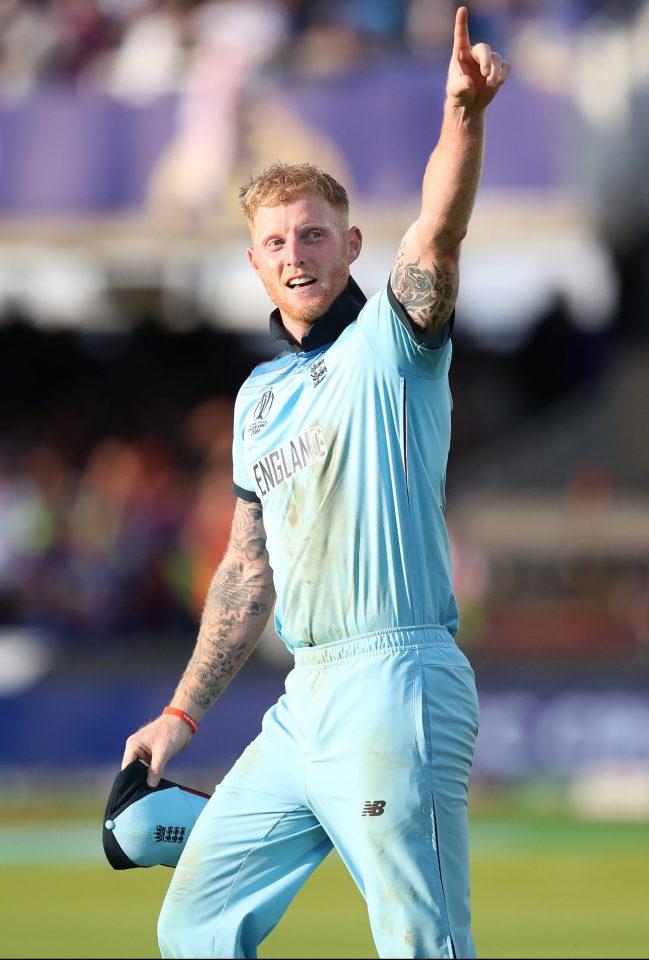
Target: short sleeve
{"x":242,"y":484}
{"x":386,"y":326}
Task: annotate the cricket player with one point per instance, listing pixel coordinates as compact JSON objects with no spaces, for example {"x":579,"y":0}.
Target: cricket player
{"x":340,"y":449}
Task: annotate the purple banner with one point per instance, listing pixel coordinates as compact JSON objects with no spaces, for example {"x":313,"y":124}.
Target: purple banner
{"x":82,"y":718}
{"x":66,"y":152}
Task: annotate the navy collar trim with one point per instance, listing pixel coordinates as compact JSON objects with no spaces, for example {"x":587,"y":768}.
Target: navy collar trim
{"x":327,"y":328}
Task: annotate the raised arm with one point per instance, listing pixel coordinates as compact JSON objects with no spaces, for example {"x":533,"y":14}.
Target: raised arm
{"x":236,"y":609}
{"x":426,"y":270}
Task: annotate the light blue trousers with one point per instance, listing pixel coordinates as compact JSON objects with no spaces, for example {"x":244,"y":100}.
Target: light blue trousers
{"x":368,"y":750}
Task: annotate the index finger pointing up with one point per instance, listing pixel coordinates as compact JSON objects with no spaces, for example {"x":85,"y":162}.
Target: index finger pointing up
{"x":461,"y":34}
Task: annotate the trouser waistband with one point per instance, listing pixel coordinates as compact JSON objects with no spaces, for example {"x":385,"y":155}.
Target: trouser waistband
{"x":397,"y":639}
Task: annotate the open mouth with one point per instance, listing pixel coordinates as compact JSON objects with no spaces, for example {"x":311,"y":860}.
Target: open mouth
{"x":300,"y":283}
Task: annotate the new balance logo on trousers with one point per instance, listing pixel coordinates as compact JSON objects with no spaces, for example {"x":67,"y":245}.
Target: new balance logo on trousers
{"x":373,"y":808}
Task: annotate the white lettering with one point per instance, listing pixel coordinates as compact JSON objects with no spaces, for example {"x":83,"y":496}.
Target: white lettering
{"x":280,"y":465}
{"x":295,"y":458}
{"x":318,"y":444}
{"x":277,"y":467}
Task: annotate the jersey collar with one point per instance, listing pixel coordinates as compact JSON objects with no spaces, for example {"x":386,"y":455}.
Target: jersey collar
{"x":329,"y":326}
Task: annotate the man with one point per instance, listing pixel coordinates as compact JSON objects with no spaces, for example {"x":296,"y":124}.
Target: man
{"x":340,"y":448}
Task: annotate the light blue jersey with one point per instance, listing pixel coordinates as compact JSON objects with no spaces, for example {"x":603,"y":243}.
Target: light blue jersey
{"x":354,"y":520}
{"x":369,"y":749}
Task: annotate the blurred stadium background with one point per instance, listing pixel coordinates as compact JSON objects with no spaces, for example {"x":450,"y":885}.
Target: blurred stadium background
{"x":129,"y":316}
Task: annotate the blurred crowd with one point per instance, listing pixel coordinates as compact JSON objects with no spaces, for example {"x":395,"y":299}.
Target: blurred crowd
{"x":223,"y":68}
{"x":123,"y":541}
{"x":148,"y":47}
{"x":116,"y":475}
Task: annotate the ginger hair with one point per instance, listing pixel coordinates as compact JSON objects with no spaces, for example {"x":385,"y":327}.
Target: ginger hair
{"x":282,"y":182}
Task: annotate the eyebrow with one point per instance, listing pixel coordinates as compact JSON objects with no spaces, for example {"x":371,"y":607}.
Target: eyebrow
{"x":303,"y":229}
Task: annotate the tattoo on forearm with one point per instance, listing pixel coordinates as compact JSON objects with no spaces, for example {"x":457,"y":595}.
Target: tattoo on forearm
{"x":238,"y":603}
{"x":428,"y":295}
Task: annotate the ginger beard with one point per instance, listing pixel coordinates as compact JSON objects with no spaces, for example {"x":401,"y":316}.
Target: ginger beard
{"x":304,"y":305}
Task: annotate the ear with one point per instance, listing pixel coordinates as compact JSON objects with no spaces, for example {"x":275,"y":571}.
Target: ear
{"x":252,"y":260}
{"x":354,"y":244}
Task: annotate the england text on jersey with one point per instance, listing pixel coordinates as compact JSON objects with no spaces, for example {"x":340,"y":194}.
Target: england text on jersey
{"x":283,"y":463}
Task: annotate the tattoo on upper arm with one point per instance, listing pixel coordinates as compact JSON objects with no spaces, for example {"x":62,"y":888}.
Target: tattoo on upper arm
{"x":241,"y":593}
{"x":248,"y":536}
{"x":428,"y":295}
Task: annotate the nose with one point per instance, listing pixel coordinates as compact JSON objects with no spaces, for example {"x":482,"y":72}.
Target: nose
{"x":293,"y":252}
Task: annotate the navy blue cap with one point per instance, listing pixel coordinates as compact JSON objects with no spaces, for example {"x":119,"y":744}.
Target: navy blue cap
{"x":146,"y":826}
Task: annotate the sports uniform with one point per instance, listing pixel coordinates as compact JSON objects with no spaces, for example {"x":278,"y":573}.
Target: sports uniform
{"x":344,"y":441}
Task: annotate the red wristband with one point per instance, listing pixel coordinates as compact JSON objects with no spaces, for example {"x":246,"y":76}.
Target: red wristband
{"x":175,"y":712}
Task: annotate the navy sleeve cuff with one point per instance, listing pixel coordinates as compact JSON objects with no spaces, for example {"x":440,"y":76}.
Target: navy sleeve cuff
{"x":247,"y":495}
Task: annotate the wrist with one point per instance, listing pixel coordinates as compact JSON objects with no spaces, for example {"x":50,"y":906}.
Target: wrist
{"x":466,"y":112}
{"x":182,"y":715}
